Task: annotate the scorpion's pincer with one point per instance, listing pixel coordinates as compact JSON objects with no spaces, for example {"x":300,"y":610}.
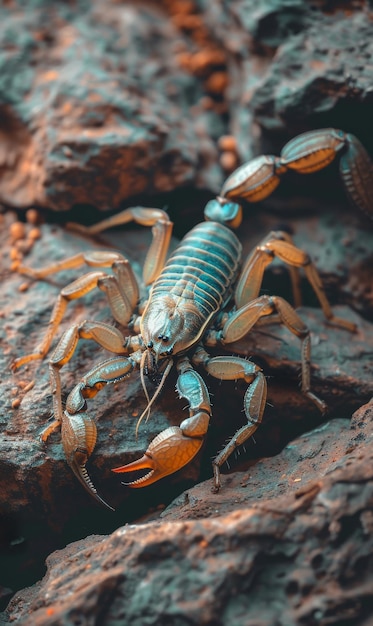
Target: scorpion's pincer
{"x":167,"y":453}
{"x":79,"y":436}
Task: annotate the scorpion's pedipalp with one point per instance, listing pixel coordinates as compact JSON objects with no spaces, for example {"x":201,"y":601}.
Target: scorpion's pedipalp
{"x":167,"y":453}
{"x":176,"y":446}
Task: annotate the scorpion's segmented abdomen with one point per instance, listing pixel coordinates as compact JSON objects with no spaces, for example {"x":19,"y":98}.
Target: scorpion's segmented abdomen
{"x":202,"y":268}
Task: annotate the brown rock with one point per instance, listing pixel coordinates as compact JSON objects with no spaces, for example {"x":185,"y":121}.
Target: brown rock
{"x":96,"y":114}
{"x":257,"y":557}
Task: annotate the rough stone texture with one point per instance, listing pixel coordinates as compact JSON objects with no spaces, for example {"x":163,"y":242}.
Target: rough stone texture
{"x":275,"y":547}
{"x":98,"y":105}
{"x":294,"y":65}
{"x":102,"y":102}
{"x":94,"y":107}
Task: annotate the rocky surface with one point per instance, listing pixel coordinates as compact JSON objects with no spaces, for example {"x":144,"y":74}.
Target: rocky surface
{"x":101,"y":105}
{"x":154,"y":103}
{"x":282,"y":544}
{"x":94,"y":107}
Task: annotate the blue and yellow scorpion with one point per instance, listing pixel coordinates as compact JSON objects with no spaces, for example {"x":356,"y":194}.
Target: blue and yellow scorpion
{"x":202,"y":297}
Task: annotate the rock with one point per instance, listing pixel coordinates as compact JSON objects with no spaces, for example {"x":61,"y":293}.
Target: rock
{"x":94,"y":107}
{"x":289,"y":550}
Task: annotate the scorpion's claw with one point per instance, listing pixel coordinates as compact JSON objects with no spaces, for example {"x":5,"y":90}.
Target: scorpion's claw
{"x":167,"y":453}
{"x":79,"y":439}
{"x":80,"y":471}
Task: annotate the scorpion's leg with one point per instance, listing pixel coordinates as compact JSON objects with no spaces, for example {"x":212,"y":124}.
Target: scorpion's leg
{"x":161,"y":230}
{"x":252,"y":274}
{"x":234,"y":368}
{"x":121,"y":290}
{"x":240,"y":322}
{"x":176,"y":446}
{"x":251,"y":277}
{"x":314,"y":150}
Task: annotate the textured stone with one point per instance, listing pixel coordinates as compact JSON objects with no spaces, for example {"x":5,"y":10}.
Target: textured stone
{"x":295,"y":550}
{"x":93,"y":107}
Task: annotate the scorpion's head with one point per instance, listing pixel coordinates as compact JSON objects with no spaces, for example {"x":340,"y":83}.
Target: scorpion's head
{"x":169,"y":326}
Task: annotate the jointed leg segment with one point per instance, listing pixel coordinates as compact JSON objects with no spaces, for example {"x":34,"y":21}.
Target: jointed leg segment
{"x":235,"y":368}
{"x":122,"y":301}
{"x":279,"y":244}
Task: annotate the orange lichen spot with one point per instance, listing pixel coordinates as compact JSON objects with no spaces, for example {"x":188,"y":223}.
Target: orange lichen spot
{"x":17,"y":231}
{"x":50,"y":75}
{"x":227,"y":143}
{"x":317,"y":65}
{"x":50,"y":611}
{"x":184,"y":59}
{"x":205,"y":58}
{"x":203,"y":543}
{"x":16,"y":403}
{"x":23,"y":287}
{"x":26,"y":385}
{"x":33,"y":217}
{"x":217,"y":82}
{"x":228,"y":161}
{"x":66,"y":108}
{"x":14,"y":266}
{"x":15,"y":254}
{"x":34,"y":234}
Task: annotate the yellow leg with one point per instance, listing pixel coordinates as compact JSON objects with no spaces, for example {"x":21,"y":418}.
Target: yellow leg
{"x":161,"y":229}
{"x":278,"y":246}
{"x":104,"y":335}
{"x":121,"y":290}
{"x":248,"y":287}
{"x":78,"y":429}
{"x":240,"y":323}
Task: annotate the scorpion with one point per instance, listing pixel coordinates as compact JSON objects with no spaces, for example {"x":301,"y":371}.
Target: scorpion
{"x":204,"y":296}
